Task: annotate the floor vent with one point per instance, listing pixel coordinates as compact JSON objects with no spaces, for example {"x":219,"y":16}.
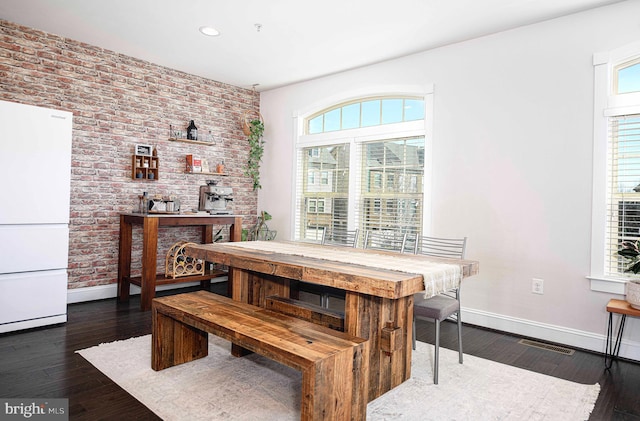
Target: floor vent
{"x":548,"y":347}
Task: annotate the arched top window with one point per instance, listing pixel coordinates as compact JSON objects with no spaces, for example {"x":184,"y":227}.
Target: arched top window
{"x":627,"y":77}
{"x":366,"y":113}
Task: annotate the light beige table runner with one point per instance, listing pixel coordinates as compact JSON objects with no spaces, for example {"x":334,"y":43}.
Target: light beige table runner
{"x":438,"y":277}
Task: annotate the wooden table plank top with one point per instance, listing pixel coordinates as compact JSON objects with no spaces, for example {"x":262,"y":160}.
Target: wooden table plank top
{"x":184,"y":219}
{"x":622,"y":307}
{"x":386,"y":283}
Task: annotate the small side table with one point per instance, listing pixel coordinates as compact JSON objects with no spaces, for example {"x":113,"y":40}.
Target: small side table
{"x":624,"y":309}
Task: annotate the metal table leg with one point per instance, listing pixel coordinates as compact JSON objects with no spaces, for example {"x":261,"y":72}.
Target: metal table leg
{"x":612,"y":350}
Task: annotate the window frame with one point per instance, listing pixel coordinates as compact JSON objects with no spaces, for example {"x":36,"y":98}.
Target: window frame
{"x":353,"y":137}
{"x":606,"y":105}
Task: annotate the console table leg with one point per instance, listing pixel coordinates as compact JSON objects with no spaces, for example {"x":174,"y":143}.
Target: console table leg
{"x":124,"y":260}
{"x":149,"y":262}
{"x":613,"y":350}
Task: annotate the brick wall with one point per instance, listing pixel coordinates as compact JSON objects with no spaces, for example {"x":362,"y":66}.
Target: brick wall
{"x":119,"y":101}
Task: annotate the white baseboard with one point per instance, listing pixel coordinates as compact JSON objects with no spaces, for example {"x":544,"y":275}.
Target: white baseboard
{"x":101,"y":292}
{"x":546,"y":332}
{"x":28,"y":324}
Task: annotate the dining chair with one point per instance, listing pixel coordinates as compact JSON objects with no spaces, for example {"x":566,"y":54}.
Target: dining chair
{"x":347,"y":238}
{"x":445,"y":305}
{"x":385,"y":240}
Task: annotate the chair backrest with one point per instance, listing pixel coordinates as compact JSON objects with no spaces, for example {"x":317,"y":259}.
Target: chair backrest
{"x":453,"y":248}
{"x":341,"y":238}
{"x":385,"y":240}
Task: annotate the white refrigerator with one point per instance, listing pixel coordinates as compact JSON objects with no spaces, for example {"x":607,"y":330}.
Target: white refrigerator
{"x":35,"y":176}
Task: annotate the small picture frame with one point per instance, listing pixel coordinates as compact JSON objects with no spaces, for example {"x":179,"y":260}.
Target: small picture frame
{"x":143,"y":150}
{"x":205,"y":165}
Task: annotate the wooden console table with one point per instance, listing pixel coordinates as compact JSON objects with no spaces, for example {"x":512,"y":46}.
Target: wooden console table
{"x":150,"y":224}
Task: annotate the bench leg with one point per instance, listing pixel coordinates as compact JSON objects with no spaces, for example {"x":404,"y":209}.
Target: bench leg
{"x":337,"y":388}
{"x":173,"y":342}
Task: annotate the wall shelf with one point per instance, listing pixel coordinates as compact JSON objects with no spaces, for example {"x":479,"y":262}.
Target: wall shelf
{"x":144,"y":167}
{"x":207,"y":173}
{"x":195,"y":142}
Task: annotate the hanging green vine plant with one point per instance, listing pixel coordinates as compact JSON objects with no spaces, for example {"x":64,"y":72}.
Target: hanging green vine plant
{"x":256,"y":150}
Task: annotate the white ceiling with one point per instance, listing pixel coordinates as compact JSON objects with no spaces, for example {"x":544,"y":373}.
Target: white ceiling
{"x":298,"y":40}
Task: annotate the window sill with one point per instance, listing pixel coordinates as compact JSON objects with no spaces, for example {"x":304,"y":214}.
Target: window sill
{"x":610,"y":285}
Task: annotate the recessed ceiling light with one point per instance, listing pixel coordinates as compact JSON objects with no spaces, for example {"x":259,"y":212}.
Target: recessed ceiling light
{"x":209,"y":31}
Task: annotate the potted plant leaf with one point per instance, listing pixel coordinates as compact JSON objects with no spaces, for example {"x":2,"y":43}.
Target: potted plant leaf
{"x":261,"y":231}
{"x":256,"y":150}
{"x":630,"y":251}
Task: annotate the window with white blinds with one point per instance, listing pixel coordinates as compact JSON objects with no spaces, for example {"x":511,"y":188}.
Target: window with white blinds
{"x":388,"y":193}
{"x":390,"y":186}
{"x":323,"y":191}
{"x":623,"y":188}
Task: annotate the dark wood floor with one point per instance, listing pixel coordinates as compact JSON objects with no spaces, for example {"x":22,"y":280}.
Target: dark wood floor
{"x":42,"y":363}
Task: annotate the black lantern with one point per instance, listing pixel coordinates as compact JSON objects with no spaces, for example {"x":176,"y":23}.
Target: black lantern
{"x":192,"y":131}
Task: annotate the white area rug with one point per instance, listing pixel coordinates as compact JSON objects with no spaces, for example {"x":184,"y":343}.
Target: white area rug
{"x":222,"y":387}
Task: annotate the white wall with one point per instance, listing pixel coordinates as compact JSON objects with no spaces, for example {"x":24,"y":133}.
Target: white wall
{"x":513,"y":123}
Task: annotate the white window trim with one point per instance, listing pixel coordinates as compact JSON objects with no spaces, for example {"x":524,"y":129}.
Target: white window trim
{"x":363,"y":134}
{"x":606,"y":105}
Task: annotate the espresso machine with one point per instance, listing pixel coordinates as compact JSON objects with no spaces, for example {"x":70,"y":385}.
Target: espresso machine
{"x":216,"y":200}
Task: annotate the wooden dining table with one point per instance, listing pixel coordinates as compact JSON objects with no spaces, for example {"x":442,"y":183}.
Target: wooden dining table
{"x":379,"y":289}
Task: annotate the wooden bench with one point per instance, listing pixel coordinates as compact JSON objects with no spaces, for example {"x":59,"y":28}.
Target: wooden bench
{"x":334,"y":364}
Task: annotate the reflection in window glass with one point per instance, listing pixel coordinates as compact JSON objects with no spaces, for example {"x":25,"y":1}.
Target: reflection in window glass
{"x":629,"y":79}
{"x":332,"y":120}
{"x":413,"y":109}
{"x":370,"y":113}
{"x":351,"y":116}
{"x":315,"y":124}
{"x":391,"y":111}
